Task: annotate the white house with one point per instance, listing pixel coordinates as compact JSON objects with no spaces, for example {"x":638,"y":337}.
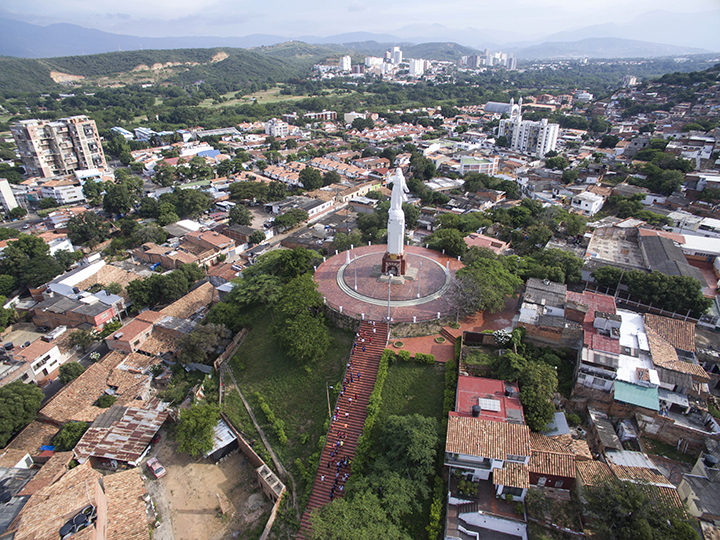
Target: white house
{"x":588,"y":203}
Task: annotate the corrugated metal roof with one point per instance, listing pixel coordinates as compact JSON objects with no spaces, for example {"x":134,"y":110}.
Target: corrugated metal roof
{"x":642,"y":396}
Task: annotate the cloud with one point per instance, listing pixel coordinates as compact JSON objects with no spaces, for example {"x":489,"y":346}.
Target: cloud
{"x":357,"y":6}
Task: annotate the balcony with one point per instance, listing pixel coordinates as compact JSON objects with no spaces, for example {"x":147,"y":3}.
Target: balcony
{"x":484,"y":464}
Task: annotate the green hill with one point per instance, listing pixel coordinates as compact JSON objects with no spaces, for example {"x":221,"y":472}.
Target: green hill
{"x":180,"y":66}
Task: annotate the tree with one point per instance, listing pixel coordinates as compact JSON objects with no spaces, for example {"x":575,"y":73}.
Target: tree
{"x":299,"y":325}
{"x":361,"y":517}
{"x":331,"y":177}
{"x":197,"y":345}
{"x":609,"y":141}
{"x":450,"y":241}
{"x":17,"y":213}
{"x":118,"y":200}
{"x":70,"y":371}
{"x":93,"y":192}
{"x":310,"y":178}
{"x":557,"y":162}
{"x":624,"y":511}
{"x":88,"y":228}
{"x":195,"y":429}
{"x":493,"y":283}
{"x":47,"y":202}
{"x":81,"y":338}
{"x":8,"y":284}
{"x":276,"y":191}
{"x":19,"y":403}
{"x":569,"y":176}
{"x":343,"y":241}
{"x":69,"y":436}
{"x":257,"y":237}
{"x":28,"y":259}
{"x":538,"y":383}
{"x":291,"y":218}
{"x":239,"y":215}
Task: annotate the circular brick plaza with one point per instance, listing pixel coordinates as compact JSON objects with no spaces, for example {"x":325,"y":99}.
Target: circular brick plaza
{"x":359,"y":288}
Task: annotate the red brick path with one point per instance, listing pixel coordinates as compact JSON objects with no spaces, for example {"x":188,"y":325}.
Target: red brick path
{"x":364,"y":371}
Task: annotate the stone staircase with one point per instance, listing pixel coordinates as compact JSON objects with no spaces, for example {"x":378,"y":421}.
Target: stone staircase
{"x":353,"y":402}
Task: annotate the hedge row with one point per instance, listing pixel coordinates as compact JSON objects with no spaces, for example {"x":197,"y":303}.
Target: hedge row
{"x":277,"y":424}
{"x":373,"y":408}
{"x":405,"y":356}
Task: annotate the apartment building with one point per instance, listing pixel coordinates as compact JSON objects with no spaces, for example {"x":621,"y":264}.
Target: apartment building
{"x":58,"y":147}
{"x":536,"y":138}
{"x":63,"y":190}
{"x":276,"y":128}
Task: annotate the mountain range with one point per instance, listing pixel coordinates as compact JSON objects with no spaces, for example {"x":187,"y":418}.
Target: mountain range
{"x":658,"y":33}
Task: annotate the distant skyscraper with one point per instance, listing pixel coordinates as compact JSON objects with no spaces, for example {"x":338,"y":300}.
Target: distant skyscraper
{"x":57,"y":147}
{"x":346,"y":63}
{"x":417,"y":67}
{"x":396,"y":56}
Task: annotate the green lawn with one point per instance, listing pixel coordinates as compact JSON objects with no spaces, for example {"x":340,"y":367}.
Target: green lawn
{"x":296,"y":395}
{"x":412,"y":388}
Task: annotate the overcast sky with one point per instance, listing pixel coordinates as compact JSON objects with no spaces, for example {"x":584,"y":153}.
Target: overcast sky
{"x":160,"y":18}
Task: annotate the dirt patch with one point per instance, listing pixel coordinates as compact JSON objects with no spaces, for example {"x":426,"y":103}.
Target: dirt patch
{"x":219,"y":57}
{"x":60,"y":77}
{"x":197,"y":488}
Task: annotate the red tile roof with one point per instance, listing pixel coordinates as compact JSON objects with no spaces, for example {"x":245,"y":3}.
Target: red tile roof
{"x":485,"y":438}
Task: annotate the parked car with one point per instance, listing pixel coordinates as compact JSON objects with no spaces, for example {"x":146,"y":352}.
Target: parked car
{"x":155,"y":468}
{"x":156,"y":438}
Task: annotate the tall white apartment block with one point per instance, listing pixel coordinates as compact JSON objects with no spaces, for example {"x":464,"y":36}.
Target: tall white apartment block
{"x":396,"y":56}
{"x":536,"y":138}
{"x":371,"y":61}
{"x":417,"y":67}
{"x":276,"y":128}
{"x":346,"y":63}
{"x":7,"y":199}
{"x":58,"y":147}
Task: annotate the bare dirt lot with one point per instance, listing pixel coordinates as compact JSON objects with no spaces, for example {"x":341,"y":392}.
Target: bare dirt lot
{"x":194,"y":489}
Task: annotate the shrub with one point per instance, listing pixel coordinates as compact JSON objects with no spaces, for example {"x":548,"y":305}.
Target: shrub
{"x":373,"y":408}
{"x":106,"y":401}
{"x":573,"y":419}
{"x":404,"y":356}
{"x":519,"y":509}
{"x":434,"y":528}
{"x":277,"y":424}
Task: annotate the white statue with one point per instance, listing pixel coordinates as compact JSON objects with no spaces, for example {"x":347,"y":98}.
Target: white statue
{"x":398,"y":191}
{"x":396,"y":216}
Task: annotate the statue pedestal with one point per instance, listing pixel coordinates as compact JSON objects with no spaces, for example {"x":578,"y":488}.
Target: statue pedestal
{"x":393,"y":264}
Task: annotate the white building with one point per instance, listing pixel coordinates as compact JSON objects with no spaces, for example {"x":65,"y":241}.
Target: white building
{"x":373,"y":61}
{"x":536,"y":138}
{"x":417,"y":67}
{"x":128,"y":136}
{"x":144,"y":134}
{"x":276,"y":128}
{"x":349,"y":117}
{"x":346,"y":63}
{"x":63,"y":191}
{"x":7,"y":199}
{"x":396,"y":56}
{"x":588,"y":203}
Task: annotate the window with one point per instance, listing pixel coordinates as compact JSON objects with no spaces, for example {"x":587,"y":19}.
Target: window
{"x":559,"y":484}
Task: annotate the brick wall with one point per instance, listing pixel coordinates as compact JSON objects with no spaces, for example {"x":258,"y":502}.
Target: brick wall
{"x":664,"y":429}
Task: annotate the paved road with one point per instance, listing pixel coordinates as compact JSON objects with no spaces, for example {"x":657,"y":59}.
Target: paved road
{"x":18,"y":225}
